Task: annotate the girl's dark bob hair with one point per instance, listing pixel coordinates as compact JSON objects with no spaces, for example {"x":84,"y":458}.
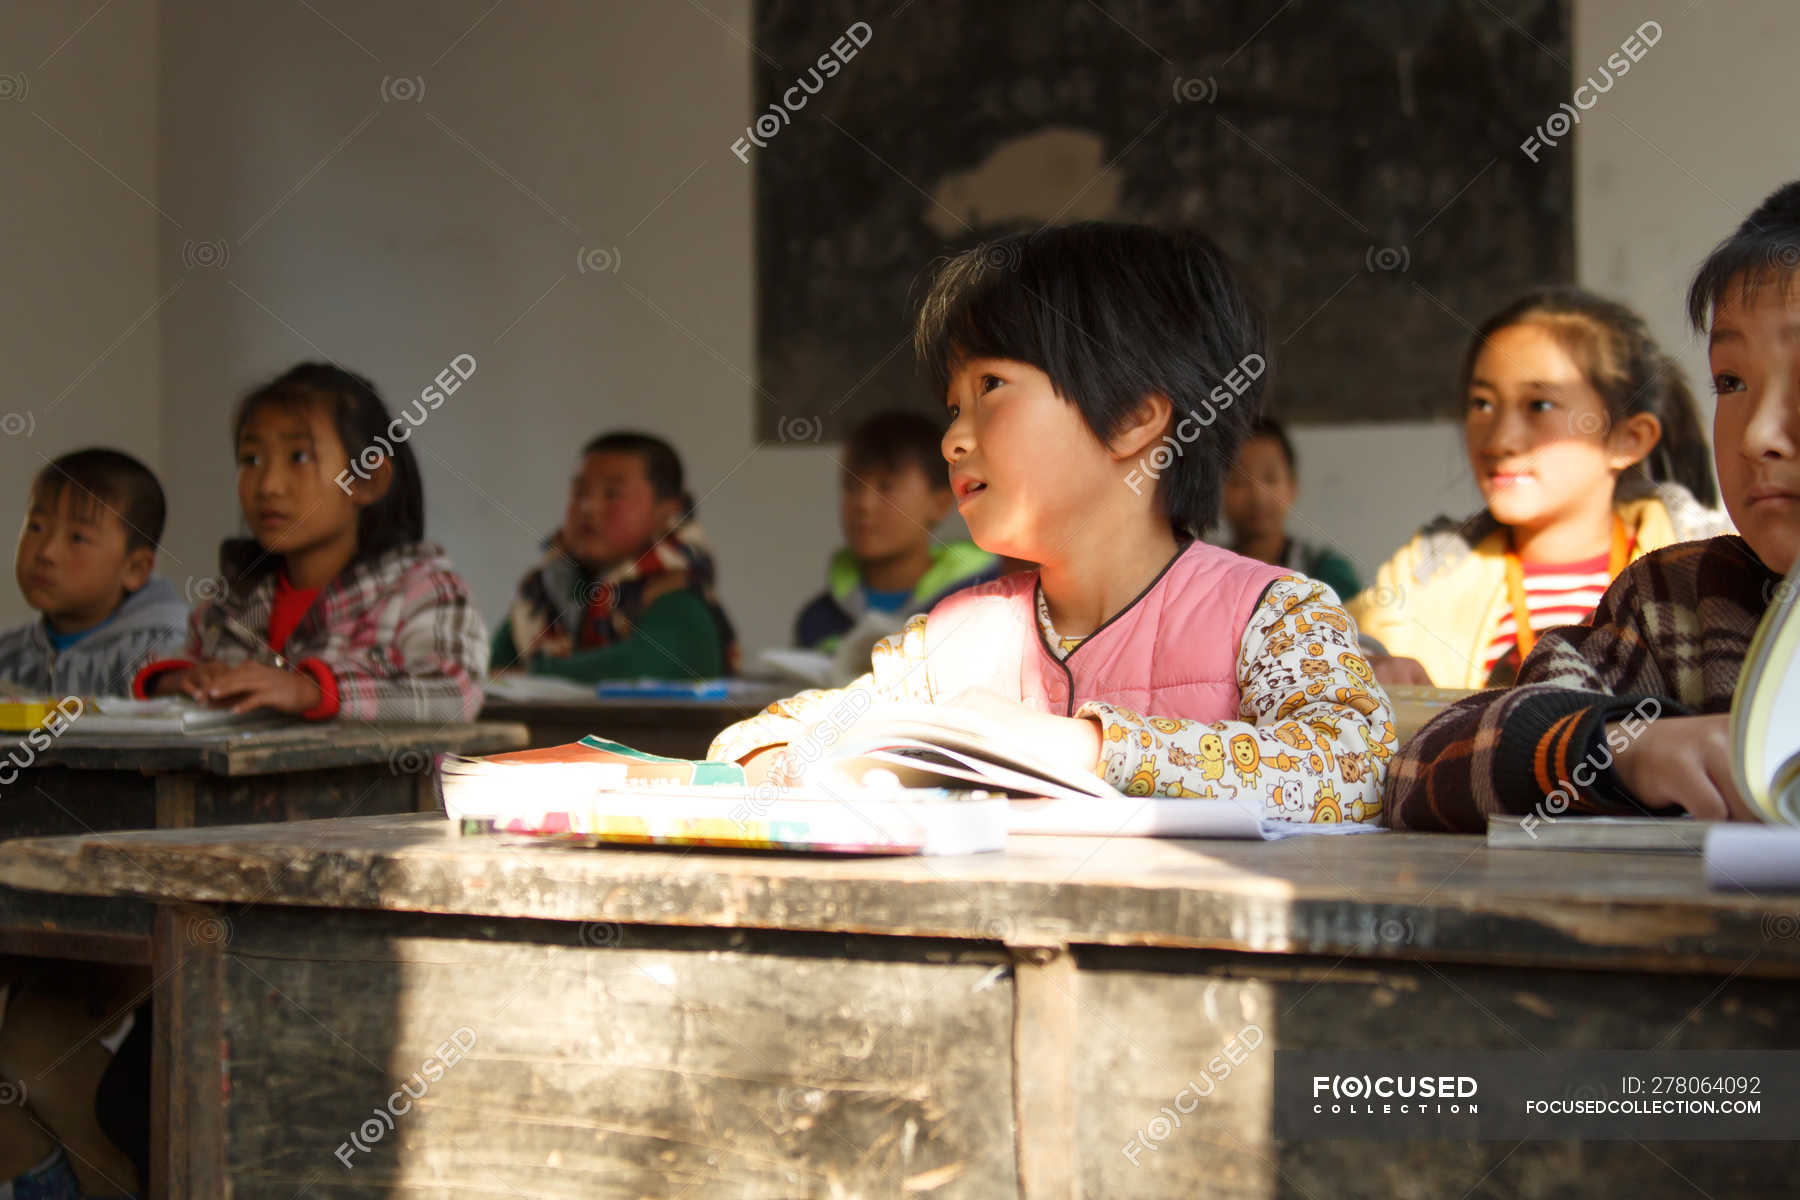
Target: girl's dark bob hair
{"x":1764,"y":249}
{"x":1113,"y":313}
{"x":361,"y":420}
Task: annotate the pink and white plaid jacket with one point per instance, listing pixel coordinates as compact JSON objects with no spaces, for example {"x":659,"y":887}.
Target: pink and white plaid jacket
{"x":400,"y":634}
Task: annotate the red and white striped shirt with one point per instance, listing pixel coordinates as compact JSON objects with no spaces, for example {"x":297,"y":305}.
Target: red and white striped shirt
{"x":1555,"y":594}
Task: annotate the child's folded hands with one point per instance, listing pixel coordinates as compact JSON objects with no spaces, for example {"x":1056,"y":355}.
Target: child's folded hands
{"x":246,"y":686}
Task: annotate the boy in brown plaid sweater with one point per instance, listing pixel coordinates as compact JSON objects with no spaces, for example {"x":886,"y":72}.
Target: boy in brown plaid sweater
{"x":1629,"y":713}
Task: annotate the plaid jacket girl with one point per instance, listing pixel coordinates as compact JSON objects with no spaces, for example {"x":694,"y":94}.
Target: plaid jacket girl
{"x":399,"y":633}
{"x":1669,"y":638}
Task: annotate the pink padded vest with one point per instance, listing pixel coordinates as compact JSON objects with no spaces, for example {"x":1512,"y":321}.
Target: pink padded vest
{"x":1171,"y":653}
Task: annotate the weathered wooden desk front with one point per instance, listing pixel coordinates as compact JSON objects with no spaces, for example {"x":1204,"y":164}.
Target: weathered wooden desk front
{"x":283,"y":773}
{"x":373,"y":1007}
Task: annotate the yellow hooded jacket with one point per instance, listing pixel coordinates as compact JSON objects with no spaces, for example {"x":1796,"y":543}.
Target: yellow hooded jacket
{"x":1440,"y":598}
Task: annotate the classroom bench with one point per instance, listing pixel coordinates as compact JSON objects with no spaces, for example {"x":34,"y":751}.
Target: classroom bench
{"x":657,"y":1022}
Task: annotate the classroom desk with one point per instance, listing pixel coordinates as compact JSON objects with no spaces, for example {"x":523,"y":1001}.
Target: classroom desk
{"x":1414,"y":705}
{"x":677,"y":728}
{"x":657,"y":1023}
{"x":280,"y":773}
{"x":685,"y":728}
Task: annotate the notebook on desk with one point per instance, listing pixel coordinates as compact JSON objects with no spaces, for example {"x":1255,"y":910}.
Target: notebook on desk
{"x":116,"y":717}
{"x":1655,"y":835}
{"x":893,"y":749}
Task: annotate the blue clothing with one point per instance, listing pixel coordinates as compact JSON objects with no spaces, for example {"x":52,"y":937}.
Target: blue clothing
{"x":834,"y":611}
{"x":150,"y":624}
{"x":886,"y":601}
{"x":62,"y":641}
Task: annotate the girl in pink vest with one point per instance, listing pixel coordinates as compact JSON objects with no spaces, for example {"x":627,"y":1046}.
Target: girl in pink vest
{"x":1097,"y":380}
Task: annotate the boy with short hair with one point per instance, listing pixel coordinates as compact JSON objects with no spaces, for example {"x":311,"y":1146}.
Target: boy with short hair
{"x":86,"y":552}
{"x":1259,"y":494}
{"x":894,"y":491}
{"x":1671,"y":634}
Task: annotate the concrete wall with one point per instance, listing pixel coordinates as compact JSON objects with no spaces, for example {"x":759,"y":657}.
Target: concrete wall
{"x":78,"y":236}
{"x":392,"y":185}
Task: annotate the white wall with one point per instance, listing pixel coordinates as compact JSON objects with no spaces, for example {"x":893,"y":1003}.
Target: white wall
{"x":1676,"y":155}
{"x":455,"y":223}
{"x":78,"y":235}
{"x":392,"y":235}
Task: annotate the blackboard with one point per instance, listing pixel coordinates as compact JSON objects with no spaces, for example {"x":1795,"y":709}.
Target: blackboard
{"x":1360,"y":161}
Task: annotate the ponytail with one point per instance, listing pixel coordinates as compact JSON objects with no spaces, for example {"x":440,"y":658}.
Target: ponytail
{"x":1624,"y":364}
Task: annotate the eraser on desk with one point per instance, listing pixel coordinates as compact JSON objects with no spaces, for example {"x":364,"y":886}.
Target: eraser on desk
{"x":21,"y":716}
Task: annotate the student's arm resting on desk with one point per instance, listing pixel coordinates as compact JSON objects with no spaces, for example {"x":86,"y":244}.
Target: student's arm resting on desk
{"x":153,"y":675}
{"x":1510,"y":750}
{"x":1314,"y":735}
{"x":896,"y":672}
{"x":1162,"y":755}
{"x":675,"y":638}
{"x":421,"y":657}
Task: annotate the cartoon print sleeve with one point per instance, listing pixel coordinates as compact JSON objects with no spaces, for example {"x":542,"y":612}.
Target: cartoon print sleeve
{"x":896,"y":672}
{"x":1315,"y":732}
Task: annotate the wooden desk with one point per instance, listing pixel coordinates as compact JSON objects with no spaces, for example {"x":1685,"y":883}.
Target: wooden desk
{"x":658,"y":1023}
{"x":677,"y":728}
{"x":285,"y":773}
{"x":1414,"y":705}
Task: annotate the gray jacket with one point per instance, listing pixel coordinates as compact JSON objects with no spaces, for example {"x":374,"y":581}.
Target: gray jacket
{"x":150,"y":624}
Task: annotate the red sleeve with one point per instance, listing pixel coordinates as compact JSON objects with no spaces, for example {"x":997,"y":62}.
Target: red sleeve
{"x":140,"y":686}
{"x":327,"y":706}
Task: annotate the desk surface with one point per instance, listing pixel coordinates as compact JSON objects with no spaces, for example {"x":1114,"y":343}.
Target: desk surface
{"x":1417,"y":896}
{"x":311,"y":746}
{"x":713,"y":713}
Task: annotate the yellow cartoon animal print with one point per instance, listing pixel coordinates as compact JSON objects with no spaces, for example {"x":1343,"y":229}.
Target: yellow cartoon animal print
{"x":1245,"y":759}
{"x":1328,"y":806}
{"x":1291,"y":735}
{"x":1167,"y":724}
{"x":1381,"y":746}
{"x":1212,"y":756}
{"x":1356,"y":698}
{"x":1333,"y":618}
{"x":1358,"y":666}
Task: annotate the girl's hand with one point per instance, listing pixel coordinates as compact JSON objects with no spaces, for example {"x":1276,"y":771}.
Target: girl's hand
{"x":170,"y":683}
{"x":192,"y":682}
{"x":1070,"y":742}
{"x":1684,"y":761}
{"x":249,"y":685}
{"x":1390,"y":669}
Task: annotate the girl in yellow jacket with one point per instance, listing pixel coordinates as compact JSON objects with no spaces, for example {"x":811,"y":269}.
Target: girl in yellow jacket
{"x":1586,"y":444}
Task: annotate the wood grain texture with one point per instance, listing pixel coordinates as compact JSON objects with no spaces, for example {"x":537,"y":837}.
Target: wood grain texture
{"x":1427,"y":896}
{"x":1045,"y":1032}
{"x":286,"y":748}
{"x":604,"y":1063}
{"x":1153,"y":1026}
{"x":187,"y":1097}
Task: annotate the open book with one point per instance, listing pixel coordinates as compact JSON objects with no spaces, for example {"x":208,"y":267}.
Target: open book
{"x":1765,"y":711}
{"x":885,"y":754}
{"x":600,"y":792}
